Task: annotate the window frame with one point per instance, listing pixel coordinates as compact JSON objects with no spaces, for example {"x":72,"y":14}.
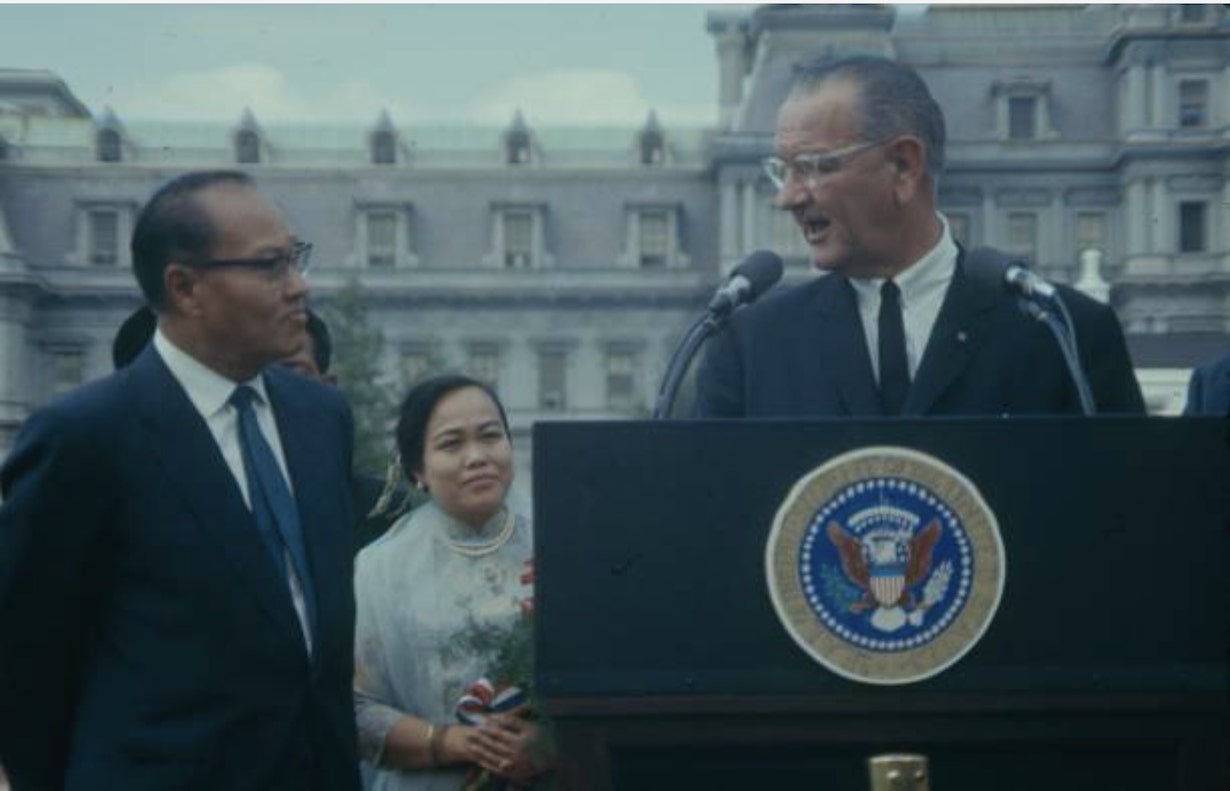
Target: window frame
{"x":1182,"y":230}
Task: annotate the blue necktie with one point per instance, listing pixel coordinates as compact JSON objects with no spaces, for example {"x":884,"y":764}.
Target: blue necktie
{"x":894,"y":368}
{"x":277,"y":518}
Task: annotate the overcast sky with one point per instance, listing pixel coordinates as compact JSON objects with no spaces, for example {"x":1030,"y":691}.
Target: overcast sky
{"x":424,"y":63}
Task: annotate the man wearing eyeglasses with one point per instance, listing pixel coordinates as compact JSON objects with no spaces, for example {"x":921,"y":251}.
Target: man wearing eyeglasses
{"x":175,"y":560}
{"x":906,"y":322}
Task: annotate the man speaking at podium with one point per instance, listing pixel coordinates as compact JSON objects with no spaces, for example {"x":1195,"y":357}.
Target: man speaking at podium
{"x":907,"y":322}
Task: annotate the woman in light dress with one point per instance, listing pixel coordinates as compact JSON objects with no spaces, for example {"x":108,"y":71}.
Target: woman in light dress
{"x":454,"y":564}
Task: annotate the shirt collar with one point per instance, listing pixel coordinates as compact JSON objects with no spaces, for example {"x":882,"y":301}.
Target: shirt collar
{"x":208,"y":390}
{"x":935,"y":269}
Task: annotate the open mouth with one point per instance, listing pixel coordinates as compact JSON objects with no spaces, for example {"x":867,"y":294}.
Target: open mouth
{"x":813,"y":229}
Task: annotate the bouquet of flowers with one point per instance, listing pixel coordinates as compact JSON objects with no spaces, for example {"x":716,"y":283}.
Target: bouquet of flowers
{"x":508,"y":652}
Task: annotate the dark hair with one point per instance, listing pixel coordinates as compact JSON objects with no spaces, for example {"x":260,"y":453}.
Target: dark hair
{"x":893,"y":100}
{"x":416,"y":411}
{"x":134,"y":335}
{"x":322,"y":341}
{"x":173,"y":223}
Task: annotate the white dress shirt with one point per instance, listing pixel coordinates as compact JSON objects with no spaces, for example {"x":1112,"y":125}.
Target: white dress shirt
{"x":210,"y":393}
{"x":923,"y":285}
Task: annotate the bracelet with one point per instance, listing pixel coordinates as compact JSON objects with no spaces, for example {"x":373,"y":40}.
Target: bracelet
{"x":436,"y":742}
{"x":431,"y":741}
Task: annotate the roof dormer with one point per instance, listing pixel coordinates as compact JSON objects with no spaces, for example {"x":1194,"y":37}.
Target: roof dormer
{"x":109,"y":139}
{"x":519,"y":148}
{"x":383,"y":144}
{"x":249,"y":142}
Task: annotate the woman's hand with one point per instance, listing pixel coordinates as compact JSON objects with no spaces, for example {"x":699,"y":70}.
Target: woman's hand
{"x":464,"y":744}
{"x":516,"y":739}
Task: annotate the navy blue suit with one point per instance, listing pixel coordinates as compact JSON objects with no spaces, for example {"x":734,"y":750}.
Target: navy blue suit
{"x":147,"y":641}
{"x":1208,"y":392}
{"x":802,"y":352}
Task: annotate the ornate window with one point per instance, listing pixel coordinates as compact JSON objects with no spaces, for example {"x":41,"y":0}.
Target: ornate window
{"x":1090,"y":231}
{"x":653,"y":148}
{"x":247,"y":147}
{"x":109,"y":146}
{"x":652,"y":237}
{"x":383,"y":237}
{"x":1022,"y":108}
{"x":1023,"y":235}
{"x":384,"y":147}
{"x":552,"y":379}
{"x":518,"y":149}
{"x":67,"y":368}
{"x":1193,"y":104}
{"x":1193,"y":231}
{"x":102,"y":230}
{"x":484,"y":363}
{"x":621,"y":378}
{"x":417,"y":362}
{"x":104,"y":237}
{"x":518,"y":237}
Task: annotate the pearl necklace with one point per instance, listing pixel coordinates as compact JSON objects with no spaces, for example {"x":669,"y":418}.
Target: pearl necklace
{"x":478,"y":549}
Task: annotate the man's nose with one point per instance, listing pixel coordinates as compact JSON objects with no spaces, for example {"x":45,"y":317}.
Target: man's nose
{"x":792,"y":193}
{"x":296,"y":285}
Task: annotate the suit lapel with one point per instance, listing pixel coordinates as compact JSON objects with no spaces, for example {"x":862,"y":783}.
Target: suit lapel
{"x":843,"y":348}
{"x":962,"y":325}
{"x":184,"y":444}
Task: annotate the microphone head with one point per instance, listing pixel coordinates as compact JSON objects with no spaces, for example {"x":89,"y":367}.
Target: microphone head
{"x":762,"y":269}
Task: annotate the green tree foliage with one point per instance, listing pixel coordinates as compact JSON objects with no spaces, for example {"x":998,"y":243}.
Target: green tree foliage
{"x":357,"y":348}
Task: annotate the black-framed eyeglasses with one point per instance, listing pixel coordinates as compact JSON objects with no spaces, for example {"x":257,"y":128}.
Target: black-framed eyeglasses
{"x":275,"y":266}
{"x":808,"y":169}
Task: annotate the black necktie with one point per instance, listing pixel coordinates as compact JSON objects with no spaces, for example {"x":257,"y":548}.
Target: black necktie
{"x":277,"y":517}
{"x":894,"y":370}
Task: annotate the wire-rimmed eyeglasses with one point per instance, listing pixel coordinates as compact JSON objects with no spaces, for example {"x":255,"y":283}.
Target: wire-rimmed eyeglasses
{"x":297,"y":257}
{"x":809,"y":168}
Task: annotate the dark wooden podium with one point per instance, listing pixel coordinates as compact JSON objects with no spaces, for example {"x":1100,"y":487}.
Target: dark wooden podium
{"x":664,"y":664}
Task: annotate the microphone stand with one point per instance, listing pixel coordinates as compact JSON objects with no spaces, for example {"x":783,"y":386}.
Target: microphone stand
{"x":1065,"y":336}
{"x":681,"y":360}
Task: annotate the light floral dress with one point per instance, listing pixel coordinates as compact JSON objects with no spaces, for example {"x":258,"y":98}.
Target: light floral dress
{"x":418,"y":589}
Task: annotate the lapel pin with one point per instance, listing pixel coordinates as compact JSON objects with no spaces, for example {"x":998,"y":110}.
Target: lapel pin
{"x":962,"y":336}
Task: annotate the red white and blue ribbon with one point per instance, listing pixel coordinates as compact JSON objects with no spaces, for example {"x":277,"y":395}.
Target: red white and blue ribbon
{"x":482,"y":699}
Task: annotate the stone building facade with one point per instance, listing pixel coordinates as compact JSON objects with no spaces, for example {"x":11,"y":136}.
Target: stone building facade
{"x":562,"y":264}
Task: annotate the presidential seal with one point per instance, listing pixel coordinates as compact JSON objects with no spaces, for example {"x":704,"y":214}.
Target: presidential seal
{"x":885,"y":565}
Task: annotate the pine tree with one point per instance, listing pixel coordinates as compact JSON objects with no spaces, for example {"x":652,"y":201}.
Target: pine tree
{"x":357,"y":348}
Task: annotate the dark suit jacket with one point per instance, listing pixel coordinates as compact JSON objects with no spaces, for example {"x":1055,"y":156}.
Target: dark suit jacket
{"x":802,"y":352}
{"x":146,"y":640}
{"x":1208,"y":393}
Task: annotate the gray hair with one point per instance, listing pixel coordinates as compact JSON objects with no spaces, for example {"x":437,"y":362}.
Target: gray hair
{"x":893,"y":100}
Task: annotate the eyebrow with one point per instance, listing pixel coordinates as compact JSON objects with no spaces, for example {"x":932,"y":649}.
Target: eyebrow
{"x":459,"y":429}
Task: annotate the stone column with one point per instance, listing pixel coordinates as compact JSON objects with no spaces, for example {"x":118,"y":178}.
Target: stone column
{"x":1224,"y":235}
{"x":1136,"y":218}
{"x":1158,"y":97}
{"x":1134,"y":98}
{"x":728,"y":211}
{"x":730,"y":48}
{"x":750,"y":201}
{"x":1162,"y":221}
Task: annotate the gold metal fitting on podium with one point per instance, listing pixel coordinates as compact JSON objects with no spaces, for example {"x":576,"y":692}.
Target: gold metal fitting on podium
{"x":899,"y":772}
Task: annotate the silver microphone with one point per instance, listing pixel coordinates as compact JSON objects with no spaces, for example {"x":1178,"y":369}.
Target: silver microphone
{"x":1026,"y":283}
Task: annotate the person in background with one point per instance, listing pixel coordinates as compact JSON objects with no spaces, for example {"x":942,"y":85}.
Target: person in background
{"x":175,"y":572}
{"x":1208,"y":392}
{"x":456,"y":561}
{"x":906,"y":322}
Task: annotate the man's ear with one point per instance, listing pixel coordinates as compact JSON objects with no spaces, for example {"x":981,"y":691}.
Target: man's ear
{"x":908,"y":157}
{"x":182,"y":285}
